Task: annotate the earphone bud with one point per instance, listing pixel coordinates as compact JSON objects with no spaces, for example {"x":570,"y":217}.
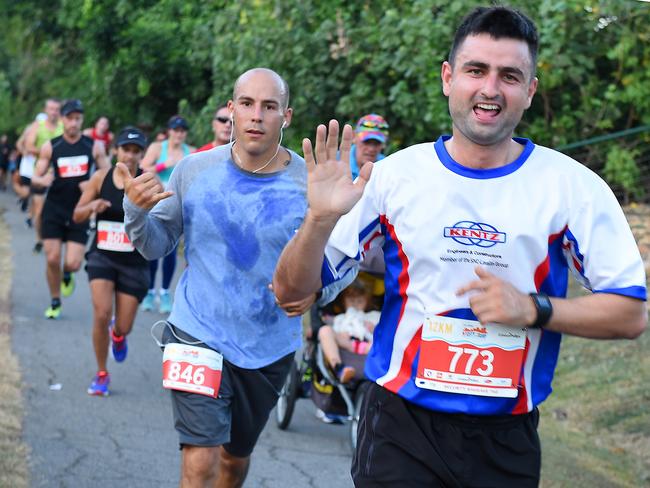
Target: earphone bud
{"x":284,"y":124}
{"x":232,"y":119}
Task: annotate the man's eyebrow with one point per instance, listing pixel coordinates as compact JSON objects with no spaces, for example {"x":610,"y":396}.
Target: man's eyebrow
{"x":246,"y":98}
{"x":475,"y":64}
{"x":482,"y":65}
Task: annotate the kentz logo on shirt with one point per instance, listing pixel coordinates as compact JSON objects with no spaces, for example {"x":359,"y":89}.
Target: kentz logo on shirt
{"x":479,"y":234}
{"x":71,"y":166}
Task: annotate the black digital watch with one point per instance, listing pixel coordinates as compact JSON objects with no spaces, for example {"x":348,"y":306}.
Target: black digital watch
{"x":544,"y":310}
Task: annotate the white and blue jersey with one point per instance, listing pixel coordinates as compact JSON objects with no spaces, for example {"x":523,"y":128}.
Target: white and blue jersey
{"x":529,"y":222}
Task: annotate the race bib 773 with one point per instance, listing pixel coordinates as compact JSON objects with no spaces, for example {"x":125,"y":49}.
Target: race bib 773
{"x":464,"y":357}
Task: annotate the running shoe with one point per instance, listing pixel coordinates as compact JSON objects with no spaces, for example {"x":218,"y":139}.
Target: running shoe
{"x":53,"y":312}
{"x":329,"y":418}
{"x":165,"y":303}
{"x":99,"y":384}
{"x":28,"y":222}
{"x":147,"y":303}
{"x":38,"y":247}
{"x":119,"y":346}
{"x":67,"y":286}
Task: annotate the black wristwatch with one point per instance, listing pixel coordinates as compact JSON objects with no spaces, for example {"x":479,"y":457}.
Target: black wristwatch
{"x":544,"y":310}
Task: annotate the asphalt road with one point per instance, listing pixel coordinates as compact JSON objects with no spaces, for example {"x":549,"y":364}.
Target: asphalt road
{"x":127,"y":439}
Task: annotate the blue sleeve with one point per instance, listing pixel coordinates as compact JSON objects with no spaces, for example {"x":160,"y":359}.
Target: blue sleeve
{"x":155,"y":233}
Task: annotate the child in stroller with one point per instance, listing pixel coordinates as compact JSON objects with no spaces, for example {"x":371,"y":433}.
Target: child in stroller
{"x":351,"y":330}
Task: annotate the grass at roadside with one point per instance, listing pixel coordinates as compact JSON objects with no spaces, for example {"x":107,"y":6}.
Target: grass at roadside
{"x":595,"y":427}
{"x":13,"y":453}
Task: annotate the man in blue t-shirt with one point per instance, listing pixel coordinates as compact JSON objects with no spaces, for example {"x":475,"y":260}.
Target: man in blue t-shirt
{"x":237,"y":205}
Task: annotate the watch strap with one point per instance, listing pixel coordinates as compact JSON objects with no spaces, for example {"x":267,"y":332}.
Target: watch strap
{"x":544,"y":310}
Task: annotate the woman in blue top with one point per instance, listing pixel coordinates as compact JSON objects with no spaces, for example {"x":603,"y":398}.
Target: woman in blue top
{"x":161,"y":158}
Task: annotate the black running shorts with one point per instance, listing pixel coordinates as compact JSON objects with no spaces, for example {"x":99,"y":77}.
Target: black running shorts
{"x":56,"y":225}
{"x":128,"y":278}
{"x":236,"y":418}
{"x":37,"y":190}
{"x":402,"y":444}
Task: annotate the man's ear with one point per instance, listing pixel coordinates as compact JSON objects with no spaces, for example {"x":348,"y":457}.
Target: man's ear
{"x":446,"y":72}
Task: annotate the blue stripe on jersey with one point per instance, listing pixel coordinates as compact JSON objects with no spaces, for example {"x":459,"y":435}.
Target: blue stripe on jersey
{"x":554,"y":284}
{"x":557,"y":281}
{"x":548,"y":352}
{"x":639,"y":292}
{"x":576,"y":252}
{"x":326,"y":275}
{"x":482,"y":174}
{"x":362,"y":236}
{"x":378,"y":359}
{"x":368,"y":229}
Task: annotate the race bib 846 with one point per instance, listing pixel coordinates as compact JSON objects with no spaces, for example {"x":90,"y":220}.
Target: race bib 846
{"x":193,"y":369}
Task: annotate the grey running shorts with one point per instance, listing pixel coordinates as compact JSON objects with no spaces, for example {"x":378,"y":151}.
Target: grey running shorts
{"x":236,"y":418}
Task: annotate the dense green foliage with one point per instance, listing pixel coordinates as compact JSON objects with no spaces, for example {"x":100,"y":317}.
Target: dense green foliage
{"x":140,"y":61}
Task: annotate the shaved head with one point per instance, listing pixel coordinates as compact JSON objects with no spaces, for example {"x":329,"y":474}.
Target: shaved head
{"x":283,"y":87}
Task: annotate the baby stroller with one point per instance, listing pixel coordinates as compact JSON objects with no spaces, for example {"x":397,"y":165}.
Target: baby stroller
{"x":311,"y":377}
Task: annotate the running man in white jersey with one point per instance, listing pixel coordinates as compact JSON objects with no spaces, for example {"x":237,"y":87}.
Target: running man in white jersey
{"x":479,"y":231}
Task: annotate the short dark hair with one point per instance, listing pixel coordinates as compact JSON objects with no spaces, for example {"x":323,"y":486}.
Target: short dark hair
{"x":497,"y":22}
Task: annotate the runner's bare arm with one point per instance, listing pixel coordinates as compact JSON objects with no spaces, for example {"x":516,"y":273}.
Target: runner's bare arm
{"x":89,"y":203}
{"x":41,"y":176}
{"x":297,"y":308}
{"x":331,"y":193}
{"x":99,"y":153}
{"x":596,"y":316}
{"x":20,"y":143}
{"x":30,"y":139}
{"x":152,"y":154}
{"x":143,"y":191}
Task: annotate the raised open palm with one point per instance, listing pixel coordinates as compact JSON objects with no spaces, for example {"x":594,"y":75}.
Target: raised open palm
{"x":330,"y":189}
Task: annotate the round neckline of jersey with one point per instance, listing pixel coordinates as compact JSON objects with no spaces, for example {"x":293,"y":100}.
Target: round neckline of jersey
{"x":482,"y":174}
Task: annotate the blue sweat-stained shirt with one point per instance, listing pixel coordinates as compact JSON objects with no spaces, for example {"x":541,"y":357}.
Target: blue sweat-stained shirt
{"x":236,"y":224}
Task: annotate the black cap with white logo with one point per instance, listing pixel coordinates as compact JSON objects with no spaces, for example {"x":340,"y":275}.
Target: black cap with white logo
{"x":131,"y":135}
{"x":70,"y":106}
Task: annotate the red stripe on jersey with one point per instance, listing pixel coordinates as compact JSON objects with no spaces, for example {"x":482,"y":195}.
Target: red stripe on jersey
{"x":541,"y":272}
{"x":522,"y":400}
{"x":403,"y":280}
{"x":404,"y":373}
{"x":366,"y":246}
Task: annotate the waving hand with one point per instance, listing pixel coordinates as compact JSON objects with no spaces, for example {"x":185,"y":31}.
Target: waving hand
{"x":330,"y":190}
